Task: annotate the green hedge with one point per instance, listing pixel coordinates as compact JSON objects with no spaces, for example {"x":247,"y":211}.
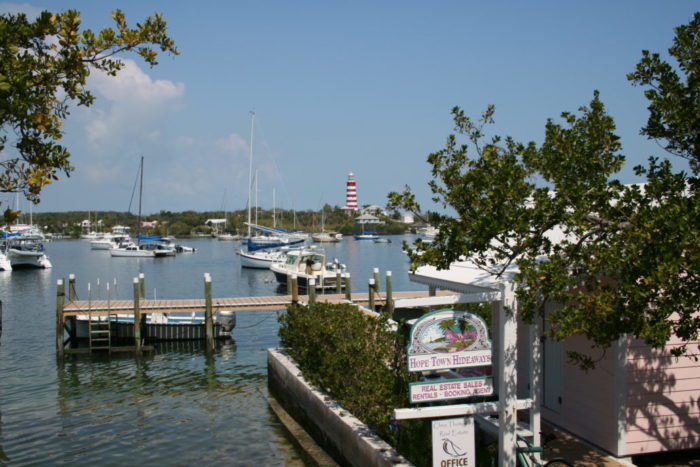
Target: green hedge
{"x":360,"y":361}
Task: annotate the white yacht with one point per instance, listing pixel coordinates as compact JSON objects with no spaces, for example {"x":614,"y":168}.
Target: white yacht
{"x":308,"y":264}
{"x":24,"y":248}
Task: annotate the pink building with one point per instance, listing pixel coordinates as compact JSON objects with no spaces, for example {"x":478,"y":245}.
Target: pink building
{"x":636,"y":401}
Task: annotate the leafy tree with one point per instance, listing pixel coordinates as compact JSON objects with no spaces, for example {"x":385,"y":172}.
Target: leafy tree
{"x":44,"y":65}
{"x":621,"y":259}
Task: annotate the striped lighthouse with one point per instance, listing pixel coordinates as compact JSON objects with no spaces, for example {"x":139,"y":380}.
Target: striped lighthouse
{"x":351,"y":193}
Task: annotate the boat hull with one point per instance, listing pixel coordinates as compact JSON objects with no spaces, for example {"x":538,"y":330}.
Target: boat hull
{"x":28,"y":259}
{"x":164,"y":328}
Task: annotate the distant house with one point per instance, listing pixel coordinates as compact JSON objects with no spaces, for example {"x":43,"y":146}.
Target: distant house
{"x":374,"y":210}
{"x":408,"y":219}
{"x":149,"y":224}
{"x":368,"y":219}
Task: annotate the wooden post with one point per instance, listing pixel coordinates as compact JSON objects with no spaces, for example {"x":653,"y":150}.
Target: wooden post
{"x":375,"y":274}
{"x":60,"y":300}
{"x":142,"y":285}
{"x":338,"y":282}
{"x":295,"y":289}
{"x":289,"y":284}
{"x":389,"y":306}
{"x":208,"y":317}
{"x":348,"y":286}
{"x":371,"y":294}
{"x":137,"y":315}
{"x":71,"y":287}
{"x":311,"y":289}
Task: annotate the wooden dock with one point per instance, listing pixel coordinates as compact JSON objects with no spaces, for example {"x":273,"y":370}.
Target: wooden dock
{"x":99,"y":313}
{"x":110,"y":307}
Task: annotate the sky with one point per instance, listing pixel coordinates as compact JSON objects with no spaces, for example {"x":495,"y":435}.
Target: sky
{"x":337,"y":87}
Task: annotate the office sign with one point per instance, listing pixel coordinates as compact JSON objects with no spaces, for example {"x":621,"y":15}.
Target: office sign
{"x":453,"y":442}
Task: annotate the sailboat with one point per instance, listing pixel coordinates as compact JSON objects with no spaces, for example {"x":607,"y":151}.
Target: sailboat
{"x":323,"y":236}
{"x":130,"y":249}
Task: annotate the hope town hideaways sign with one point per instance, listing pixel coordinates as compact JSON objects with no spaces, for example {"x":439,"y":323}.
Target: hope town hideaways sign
{"x":448,"y":339}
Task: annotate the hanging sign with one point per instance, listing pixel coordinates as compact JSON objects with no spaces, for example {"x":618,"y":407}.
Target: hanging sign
{"x":448,"y":339}
{"x":446,"y":389}
{"x":453,"y":442}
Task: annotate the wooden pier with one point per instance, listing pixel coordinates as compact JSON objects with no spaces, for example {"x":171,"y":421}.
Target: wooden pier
{"x":98,"y":312}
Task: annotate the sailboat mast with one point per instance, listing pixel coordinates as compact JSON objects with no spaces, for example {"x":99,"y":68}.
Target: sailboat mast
{"x":250,"y":166}
{"x":138,"y":221}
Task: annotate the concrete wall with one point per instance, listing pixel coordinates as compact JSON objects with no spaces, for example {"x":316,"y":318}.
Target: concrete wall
{"x":344,"y":437}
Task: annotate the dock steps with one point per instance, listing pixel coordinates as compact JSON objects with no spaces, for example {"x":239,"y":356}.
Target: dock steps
{"x":99,"y":332}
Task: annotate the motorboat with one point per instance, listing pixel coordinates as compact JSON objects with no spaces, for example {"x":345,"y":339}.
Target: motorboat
{"x":118,"y":235}
{"x":131,"y":250}
{"x":382,"y":240}
{"x":327,"y":237}
{"x":26,"y":250}
{"x":308,"y":263}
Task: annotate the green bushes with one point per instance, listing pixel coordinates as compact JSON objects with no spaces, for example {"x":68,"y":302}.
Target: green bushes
{"x":360,"y":361}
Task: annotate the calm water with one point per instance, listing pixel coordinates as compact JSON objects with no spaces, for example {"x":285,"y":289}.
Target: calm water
{"x":173,"y":406}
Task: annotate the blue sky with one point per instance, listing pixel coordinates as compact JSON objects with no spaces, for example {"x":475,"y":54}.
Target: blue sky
{"x":338,"y":87}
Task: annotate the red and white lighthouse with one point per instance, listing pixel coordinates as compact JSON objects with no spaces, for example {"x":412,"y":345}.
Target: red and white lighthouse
{"x":351,"y":194}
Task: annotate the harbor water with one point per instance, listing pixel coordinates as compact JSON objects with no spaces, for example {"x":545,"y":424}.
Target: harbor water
{"x":172,"y":406}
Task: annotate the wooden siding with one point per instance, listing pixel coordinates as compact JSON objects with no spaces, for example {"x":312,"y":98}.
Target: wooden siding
{"x":663,"y":399}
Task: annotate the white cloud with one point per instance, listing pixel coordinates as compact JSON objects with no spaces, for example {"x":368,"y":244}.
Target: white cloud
{"x":184,"y":141}
{"x":129,"y":107}
{"x":233,"y":144}
{"x":13,"y":8}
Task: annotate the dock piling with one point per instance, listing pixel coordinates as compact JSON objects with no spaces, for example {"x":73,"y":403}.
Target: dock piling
{"x":348,"y":287}
{"x":311,"y":289}
{"x":389,"y":307}
{"x":371,"y":294}
{"x":295,"y":289}
{"x":60,"y":300}
{"x":142,"y":285}
{"x":375,"y":274}
{"x":71,"y":287}
{"x":137,"y":314}
{"x":338,"y":282}
{"x":208,"y":318}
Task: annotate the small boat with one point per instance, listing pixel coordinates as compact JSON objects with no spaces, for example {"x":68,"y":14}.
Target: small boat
{"x":382,"y":240}
{"x":306,"y":264}
{"x":118,"y":235}
{"x":131,"y":250}
{"x":327,"y":237}
{"x":227,"y":237}
{"x":366,"y":236}
{"x":260,"y":259}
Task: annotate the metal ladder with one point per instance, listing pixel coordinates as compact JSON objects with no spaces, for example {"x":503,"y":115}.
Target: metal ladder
{"x":99,"y":332}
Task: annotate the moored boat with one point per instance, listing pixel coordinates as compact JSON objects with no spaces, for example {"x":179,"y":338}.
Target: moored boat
{"x":260,"y":259}
{"x":308,"y":264}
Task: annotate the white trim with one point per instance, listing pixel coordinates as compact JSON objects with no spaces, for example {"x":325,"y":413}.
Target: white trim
{"x":447,"y":299}
{"x":456,"y":410}
{"x":620,"y":384}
